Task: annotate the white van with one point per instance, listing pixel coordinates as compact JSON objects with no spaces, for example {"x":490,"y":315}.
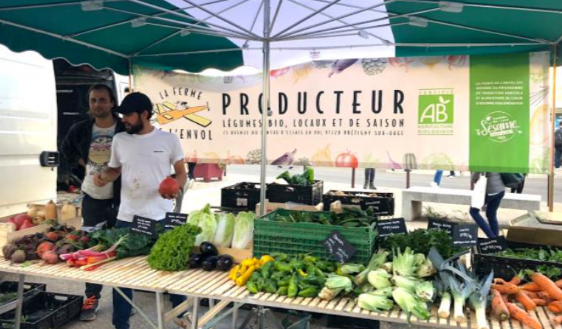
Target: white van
{"x":28,"y":127}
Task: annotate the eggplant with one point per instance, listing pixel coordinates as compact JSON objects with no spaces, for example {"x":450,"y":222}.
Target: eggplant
{"x":196,"y":260}
{"x":210,"y":263}
{"x":224,"y":263}
{"x":208,"y":249}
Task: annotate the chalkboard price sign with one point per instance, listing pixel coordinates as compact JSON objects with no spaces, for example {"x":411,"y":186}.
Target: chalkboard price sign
{"x":441,"y":225}
{"x":492,"y":246}
{"x":465,"y":235}
{"x":173,"y":220}
{"x":146,"y":226}
{"x":391,"y":226}
{"x":340,"y":249}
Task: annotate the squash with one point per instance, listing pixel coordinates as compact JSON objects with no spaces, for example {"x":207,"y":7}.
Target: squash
{"x":68,"y":211}
{"x":32,"y":211}
{"x":50,"y":210}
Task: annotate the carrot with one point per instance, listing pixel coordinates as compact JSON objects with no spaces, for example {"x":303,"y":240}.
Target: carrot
{"x":530,"y":293}
{"x":554,"y":309}
{"x":525,"y":301}
{"x":539,"y":301}
{"x":557,"y":320}
{"x":499,"y":309}
{"x":516,"y":280}
{"x":523,"y":317}
{"x":547,"y":285}
{"x":558,"y":283}
{"x":499,"y":281}
{"x":557,"y":304}
{"x":506,"y":288}
{"x":531,"y":286}
{"x":544,"y":295}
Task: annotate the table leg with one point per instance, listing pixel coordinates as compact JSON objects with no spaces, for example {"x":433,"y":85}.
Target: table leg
{"x":160,"y":310}
{"x":21,"y":283}
{"x":141,"y":312}
{"x":195,"y":316}
{"x":234,"y":318}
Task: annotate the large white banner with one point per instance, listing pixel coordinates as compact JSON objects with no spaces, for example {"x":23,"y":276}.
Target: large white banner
{"x":388,"y":113}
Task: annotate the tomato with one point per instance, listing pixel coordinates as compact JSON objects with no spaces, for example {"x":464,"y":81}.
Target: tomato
{"x":347,"y":160}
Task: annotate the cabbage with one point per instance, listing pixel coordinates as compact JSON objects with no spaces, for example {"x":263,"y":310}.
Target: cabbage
{"x":206,"y":221}
{"x":225,"y":230}
{"x":243,"y":230}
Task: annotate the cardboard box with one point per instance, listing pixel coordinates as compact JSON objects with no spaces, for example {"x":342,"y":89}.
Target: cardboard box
{"x":538,"y":236}
{"x":271,"y":206}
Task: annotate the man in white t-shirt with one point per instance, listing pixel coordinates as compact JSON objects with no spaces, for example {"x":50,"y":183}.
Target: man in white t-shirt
{"x":142,"y":157}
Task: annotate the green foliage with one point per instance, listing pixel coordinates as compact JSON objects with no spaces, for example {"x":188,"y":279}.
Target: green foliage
{"x":171,"y":251}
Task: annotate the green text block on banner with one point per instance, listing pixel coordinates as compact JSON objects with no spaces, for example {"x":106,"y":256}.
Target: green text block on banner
{"x":499,"y":113}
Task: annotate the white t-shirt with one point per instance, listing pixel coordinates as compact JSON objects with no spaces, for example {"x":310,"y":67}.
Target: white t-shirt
{"x":98,"y":158}
{"x":145,"y":161}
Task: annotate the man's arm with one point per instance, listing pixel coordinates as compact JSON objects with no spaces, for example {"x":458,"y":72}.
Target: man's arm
{"x":109,"y":175}
{"x":181,"y":174}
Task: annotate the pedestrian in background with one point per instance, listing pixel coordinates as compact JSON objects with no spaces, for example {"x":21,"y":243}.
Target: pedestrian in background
{"x":494,"y":193}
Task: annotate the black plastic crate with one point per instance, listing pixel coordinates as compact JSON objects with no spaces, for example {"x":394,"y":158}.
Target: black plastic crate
{"x":310,"y":195}
{"x":243,"y":196}
{"x":45,"y":311}
{"x":345,"y":322}
{"x":11,"y":287}
{"x":382,"y":203}
{"x":505,"y":267}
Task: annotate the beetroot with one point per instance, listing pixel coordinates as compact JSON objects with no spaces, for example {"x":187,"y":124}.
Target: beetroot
{"x":18,"y":256}
{"x":53,"y":236}
{"x":44,"y":247}
{"x":8,"y":250}
{"x":169,"y":186}
{"x":50,"y":257}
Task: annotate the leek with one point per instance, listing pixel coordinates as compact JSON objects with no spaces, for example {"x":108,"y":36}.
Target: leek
{"x":479,"y":301}
{"x":445,"y":306}
{"x":460,"y":292}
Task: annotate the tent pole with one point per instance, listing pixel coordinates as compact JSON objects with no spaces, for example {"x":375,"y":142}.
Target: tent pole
{"x":265,"y":104}
{"x":552,"y":126}
{"x":130,"y":75}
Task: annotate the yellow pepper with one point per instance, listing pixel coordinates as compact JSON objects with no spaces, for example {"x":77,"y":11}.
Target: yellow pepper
{"x":301,"y":273}
{"x":249,"y":262}
{"x":265,"y":259}
{"x":241,"y":281}
{"x":233,"y":271}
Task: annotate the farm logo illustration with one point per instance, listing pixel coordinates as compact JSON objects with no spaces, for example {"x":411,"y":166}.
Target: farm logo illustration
{"x":435,"y":112}
{"x":167,"y":112}
{"x":499,"y":126}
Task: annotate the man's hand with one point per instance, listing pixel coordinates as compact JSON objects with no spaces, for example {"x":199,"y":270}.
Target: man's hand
{"x":98,"y":181}
{"x":169,"y":196}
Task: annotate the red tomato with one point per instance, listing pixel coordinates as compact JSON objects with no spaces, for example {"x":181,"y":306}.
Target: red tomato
{"x":347,"y":160}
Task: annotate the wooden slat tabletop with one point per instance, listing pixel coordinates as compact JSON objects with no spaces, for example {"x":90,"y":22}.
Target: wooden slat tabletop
{"x":135,"y":273}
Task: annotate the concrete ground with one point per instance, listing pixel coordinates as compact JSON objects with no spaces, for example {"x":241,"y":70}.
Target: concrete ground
{"x":202,"y":193}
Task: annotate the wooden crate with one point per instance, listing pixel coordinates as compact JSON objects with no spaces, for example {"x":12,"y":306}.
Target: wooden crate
{"x":271,"y":206}
{"x":238,"y":254}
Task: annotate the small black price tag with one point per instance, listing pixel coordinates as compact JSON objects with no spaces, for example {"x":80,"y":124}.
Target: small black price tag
{"x":339,"y":247}
{"x":391,"y":226}
{"x":441,"y":225}
{"x":492,"y":246}
{"x":173,"y":220}
{"x":465,"y":235}
{"x":146,"y":226}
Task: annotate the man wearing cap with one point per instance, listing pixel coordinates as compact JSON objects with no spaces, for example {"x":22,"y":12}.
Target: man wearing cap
{"x":142,"y":156}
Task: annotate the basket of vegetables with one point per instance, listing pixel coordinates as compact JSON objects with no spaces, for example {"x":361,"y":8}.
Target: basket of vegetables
{"x":300,"y":188}
{"x":383,"y":203}
{"x":299,"y":232}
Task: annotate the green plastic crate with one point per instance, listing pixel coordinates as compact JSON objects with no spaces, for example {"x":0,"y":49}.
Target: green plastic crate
{"x":307,"y":238}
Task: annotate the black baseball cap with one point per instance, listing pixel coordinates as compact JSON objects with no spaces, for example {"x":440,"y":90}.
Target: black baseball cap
{"x":135,"y":102}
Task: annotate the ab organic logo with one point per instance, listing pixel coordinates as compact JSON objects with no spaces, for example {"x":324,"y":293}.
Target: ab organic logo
{"x":499,"y":127}
{"x":436,"y":112}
